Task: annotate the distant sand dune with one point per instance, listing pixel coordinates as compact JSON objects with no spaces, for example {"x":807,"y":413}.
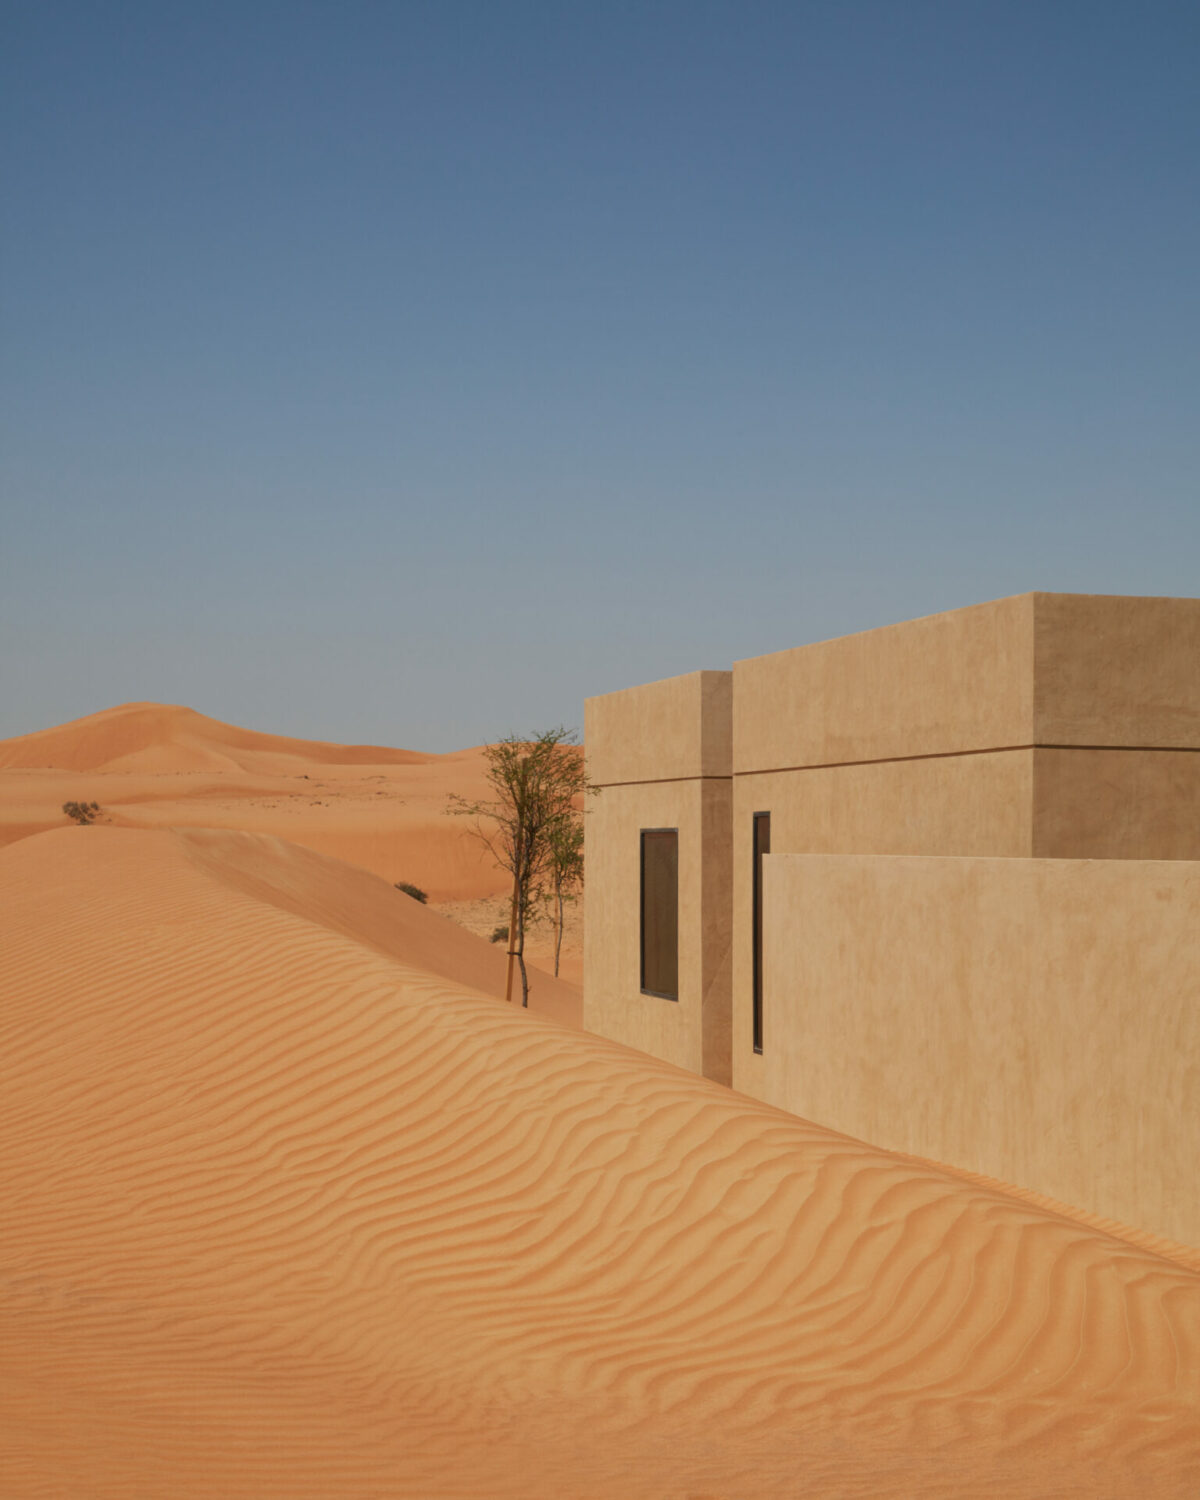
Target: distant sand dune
{"x":169,"y":737}
{"x":288,"y":1215}
{"x":156,"y":765}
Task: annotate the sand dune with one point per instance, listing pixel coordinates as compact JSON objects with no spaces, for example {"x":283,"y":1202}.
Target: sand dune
{"x":153,"y":765}
{"x":288,"y":1215}
{"x":169,"y":737}
{"x":357,"y":905}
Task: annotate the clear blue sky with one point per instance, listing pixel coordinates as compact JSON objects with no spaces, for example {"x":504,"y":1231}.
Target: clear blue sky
{"x":407,"y":372}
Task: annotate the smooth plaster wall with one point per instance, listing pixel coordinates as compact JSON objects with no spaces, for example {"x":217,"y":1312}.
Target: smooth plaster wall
{"x":716,"y":898}
{"x":959,"y":804}
{"x":947,"y":683}
{"x":913,"y":739}
{"x":1116,"y":804}
{"x":1035,"y":1020}
{"x":1034,"y":669}
{"x":661,"y":731}
{"x":1113,"y":670}
{"x":693,"y":1031}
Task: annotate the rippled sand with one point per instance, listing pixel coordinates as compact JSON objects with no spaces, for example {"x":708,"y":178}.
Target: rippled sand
{"x":293,"y":1208}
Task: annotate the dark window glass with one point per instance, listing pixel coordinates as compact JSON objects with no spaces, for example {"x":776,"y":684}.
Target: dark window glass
{"x":660,"y":912}
{"x":762,"y":845}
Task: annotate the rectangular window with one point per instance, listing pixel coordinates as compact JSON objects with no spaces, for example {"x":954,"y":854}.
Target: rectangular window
{"x":762,"y":845}
{"x":660,"y":912}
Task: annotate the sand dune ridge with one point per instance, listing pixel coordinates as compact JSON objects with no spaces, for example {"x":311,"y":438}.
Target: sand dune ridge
{"x":171,"y":737}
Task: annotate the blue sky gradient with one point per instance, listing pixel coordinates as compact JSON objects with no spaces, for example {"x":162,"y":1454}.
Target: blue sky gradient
{"x":406,"y":372}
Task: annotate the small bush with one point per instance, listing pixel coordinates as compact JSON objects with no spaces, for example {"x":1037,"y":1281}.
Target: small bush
{"x":82,"y":812}
{"x":499,"y":935}
{"x":414,"y":891}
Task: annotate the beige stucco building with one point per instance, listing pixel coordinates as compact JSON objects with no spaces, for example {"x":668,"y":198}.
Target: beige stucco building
{"x":935,"y":885}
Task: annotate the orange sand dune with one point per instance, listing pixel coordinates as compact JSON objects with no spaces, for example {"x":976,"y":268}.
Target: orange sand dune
{"x":154,"y":765}
{"x":286,"y":1215}
{"x":359,"y":906}
{"x":169,"y":737}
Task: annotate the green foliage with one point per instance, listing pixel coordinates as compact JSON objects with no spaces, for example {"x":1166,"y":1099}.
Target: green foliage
{"x":565,"y":875}
{"x":499,"y":934}
{"x":537,"y":785}
{"x":82,"y":812}
{"x":414,"y":891}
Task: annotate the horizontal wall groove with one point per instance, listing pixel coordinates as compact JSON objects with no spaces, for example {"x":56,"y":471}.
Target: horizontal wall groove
{"x":658,"y":781}
{"x":885,"y":760}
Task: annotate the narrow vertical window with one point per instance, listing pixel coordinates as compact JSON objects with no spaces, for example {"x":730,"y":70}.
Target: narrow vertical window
{"x":762,"y":845}
{"x":660,"y":912}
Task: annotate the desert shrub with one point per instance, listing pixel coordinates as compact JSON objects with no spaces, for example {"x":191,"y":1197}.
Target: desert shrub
{"x":414,"y":891}
{"x":499,"y":935}
{"x":538,"y":784}
{"x":82,"y":812}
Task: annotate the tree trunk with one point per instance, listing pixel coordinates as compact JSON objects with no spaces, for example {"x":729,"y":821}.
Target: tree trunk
{"x":512,"y":938}
{"x":558,"y":936}
{"x":524,"y":981}
{"x":520,"y":903}
{"x":521,"y":957}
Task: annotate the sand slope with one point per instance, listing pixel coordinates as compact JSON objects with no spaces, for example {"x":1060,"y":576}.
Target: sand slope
{"x":286,"y":1216}
{"x":347,"y":900}
{"x":154,"y":765}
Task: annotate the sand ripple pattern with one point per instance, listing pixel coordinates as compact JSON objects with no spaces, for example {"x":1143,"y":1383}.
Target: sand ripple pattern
{"x":285,"y":1216}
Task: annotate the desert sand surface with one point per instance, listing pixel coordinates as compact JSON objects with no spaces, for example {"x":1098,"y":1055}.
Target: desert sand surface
{"x":155,"y":765}
{"x":293,"y":1209}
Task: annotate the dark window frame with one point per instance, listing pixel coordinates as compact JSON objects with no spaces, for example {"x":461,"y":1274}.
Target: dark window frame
{"x":658,"y":994}
{"x":756,"y":928}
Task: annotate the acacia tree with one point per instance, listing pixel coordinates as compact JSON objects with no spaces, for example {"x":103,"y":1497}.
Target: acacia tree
{"x":565,"y":876}
{"x":536,"y":785}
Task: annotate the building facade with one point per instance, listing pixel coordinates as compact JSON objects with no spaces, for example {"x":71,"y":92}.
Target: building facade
{"x":935,"y":885}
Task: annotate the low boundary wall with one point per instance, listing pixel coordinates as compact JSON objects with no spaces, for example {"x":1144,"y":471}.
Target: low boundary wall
{"x":1035,"y":1020}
